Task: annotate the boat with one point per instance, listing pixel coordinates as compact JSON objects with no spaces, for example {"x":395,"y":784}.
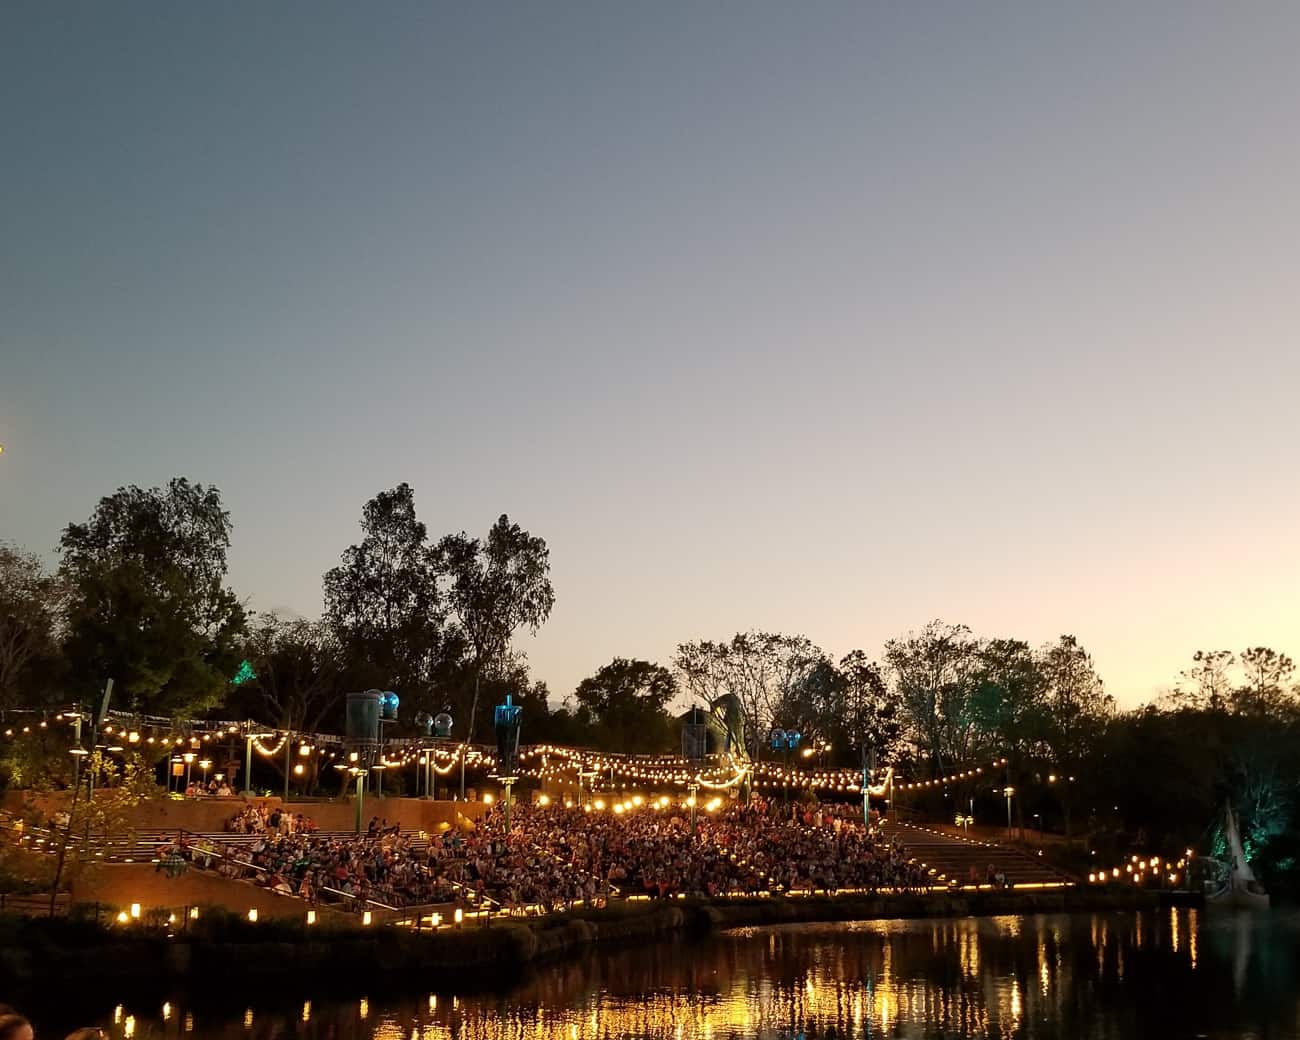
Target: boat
{"x":1236,"y":887}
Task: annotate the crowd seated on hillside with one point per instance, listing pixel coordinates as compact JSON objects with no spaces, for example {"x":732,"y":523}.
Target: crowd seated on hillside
{"x":554,"y":857}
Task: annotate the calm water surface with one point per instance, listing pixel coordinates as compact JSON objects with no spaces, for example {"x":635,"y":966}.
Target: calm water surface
{"x":1175,"y":973}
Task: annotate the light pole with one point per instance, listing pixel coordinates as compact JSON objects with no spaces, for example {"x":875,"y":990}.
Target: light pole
{"x":785,"y":741}
{"x":205,"y":765}
{"x":694,"y":788}
{"x":189,"y":761}
{"x":1009,"y":791}
{"x":442,"y":723}
{"x":506,"y":720}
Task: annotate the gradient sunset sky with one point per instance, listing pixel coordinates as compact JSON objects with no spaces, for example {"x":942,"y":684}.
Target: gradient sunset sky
{"x":820,"y":318}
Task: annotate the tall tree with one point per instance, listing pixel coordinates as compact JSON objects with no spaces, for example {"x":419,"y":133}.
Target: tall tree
{"x":872,"y":710}
{"x":1010,"y":709}
{"x":758,"y":669}
{"x":1269,"y":684}
{"x":31,"y":612}
{"x":497,"y":586}
{"x":1207,"y":685}
{"x":1077,"y":708}
{"x":382,"y":601}
{"x":148,"y":602}
{"x":625,"y":704}
{"x":933,"y":671}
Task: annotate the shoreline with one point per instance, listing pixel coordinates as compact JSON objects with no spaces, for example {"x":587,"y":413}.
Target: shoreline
{"x":38,"y":952}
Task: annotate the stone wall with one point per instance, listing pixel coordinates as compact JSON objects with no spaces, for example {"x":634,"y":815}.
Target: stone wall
{"x":121,"y":884}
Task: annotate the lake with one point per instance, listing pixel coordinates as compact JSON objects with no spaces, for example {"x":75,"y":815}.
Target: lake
{"x":1173,"y":973}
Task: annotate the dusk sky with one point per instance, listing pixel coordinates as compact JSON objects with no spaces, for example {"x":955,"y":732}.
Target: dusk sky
{"x":816,"y":318}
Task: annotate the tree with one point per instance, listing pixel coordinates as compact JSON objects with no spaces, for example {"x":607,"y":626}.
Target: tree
{"x":148,"y":604}
{"x":496,"y":587}
{"x":382,"y":601}
{"x":296,"y":668}
{"x":1207,"y":685}
{"x":1077,"y":708}
{"x":31,"y":611}
{"x":811,"y":699}
{"x":761,"y":670}
{"x":1009,"y":706}
{"x":933,"y":672}
{"x":872,"y":712}
{"x":626,"y":705}
{"x":1269,"y":685}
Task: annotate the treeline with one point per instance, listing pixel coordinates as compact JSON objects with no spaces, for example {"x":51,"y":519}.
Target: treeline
{"x":141,"y":595}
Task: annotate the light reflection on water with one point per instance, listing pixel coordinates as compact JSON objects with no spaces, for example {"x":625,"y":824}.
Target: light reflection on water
{"x":1168,"y":973}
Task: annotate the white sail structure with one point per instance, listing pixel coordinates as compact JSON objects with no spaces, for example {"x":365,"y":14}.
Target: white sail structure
{"x":1242,"y":889}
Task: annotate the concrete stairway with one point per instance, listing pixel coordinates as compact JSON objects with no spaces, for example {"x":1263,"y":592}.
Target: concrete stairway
{"x":949,"y":857}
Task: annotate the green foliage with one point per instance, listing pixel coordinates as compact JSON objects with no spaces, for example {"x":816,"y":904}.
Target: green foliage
{"x":148,"y":606}
{"x":295,"y":669}
{"x":935,"y":673}
{"x":624,"y":706}
{"x":871,"y":713}
{"x":495,"y":588}
{"x":382,"y":602}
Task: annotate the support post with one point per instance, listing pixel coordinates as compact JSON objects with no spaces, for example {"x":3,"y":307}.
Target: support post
{"x":866,"y":806}
{"x":248,"y":765}
{"x":694,"y":789}
{"x":509,"y":782}
{"x":288,"y":749}
{"x":76,"y":759}
{"x":360,"y":797}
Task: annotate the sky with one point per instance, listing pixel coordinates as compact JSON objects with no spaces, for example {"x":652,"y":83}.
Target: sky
{"x":819,"y":318}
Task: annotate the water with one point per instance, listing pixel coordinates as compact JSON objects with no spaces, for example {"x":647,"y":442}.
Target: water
{"x":1172,"y":973}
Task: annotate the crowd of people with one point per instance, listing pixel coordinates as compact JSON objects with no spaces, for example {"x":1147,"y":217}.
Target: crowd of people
{"x":259,"y":818}
{"x":287,"y":854}
{"x":554,"y":857}
{"x":214,"y":788}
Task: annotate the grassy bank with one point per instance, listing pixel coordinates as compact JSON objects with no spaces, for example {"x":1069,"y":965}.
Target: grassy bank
{"x":229,"y":947}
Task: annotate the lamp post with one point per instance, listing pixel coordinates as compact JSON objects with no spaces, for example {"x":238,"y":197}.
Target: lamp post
{"x":189,"y":761}
{"x":205,"y":764}
{"x":442,"y":723}
{"x":694,"y":788}
{"x":1009,"y":791}
{"x":288,"y":753}
{"x":506,"y":719}
{"x":785,"y":741}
